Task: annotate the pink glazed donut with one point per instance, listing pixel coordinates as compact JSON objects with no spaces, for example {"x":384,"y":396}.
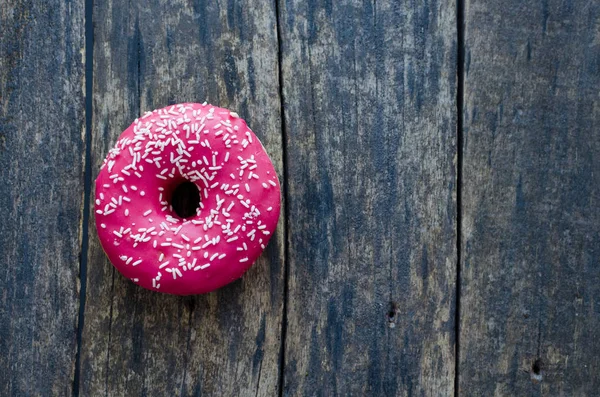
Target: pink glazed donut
{"x":187,"y":199}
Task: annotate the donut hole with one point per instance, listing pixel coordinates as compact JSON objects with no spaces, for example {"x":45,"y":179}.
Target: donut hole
{"x":185,"y":199}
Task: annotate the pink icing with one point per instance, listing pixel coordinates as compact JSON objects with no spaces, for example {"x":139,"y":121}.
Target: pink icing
{"x":240,"y":199}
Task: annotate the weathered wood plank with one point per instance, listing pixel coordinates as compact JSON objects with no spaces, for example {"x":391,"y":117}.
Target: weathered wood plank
{"x":226,"y":343}
{"x":530,"y":309}
{"x":369,"y":94}
{"x":41,"y":169}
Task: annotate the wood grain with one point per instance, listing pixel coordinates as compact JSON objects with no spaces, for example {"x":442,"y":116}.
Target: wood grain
{"x":531,"y":227}
{"x":148,"y":55}
{"x":369,"y":94}
{"x":41,"y":194}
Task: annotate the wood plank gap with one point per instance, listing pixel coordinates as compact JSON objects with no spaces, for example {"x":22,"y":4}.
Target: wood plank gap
{"x":87,"y":190}
{"x":285,"y":207}
{"x":460,"y":70}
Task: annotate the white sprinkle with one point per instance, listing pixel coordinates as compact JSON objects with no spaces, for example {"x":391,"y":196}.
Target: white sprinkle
{"x":244,"y":260}
{"x":161,"y":257}
{"x":206,"y":244}
{"x":117,"y":234}
{"x":272,"y":183}
{"x":126,"y":211}
{"x":265,"y":185}
{"x":269,"y":209}
{"x":247,"y":187}
{"x":186,"y":238}
{"x":163,"y":265}
{"x":147,"y":212}
{"x":142,"y":193}
{"x":136,"y":262}
{"x":213,"y":257}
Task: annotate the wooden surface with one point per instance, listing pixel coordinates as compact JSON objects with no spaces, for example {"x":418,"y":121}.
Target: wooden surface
{"x":41,"y":194}
{"x":440,"y":169}
{"x":136,"y":342}
{"x":370,"y":128}
{"x":530,"y":305}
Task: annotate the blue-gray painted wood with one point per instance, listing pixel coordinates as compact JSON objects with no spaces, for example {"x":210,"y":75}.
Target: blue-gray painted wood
{"x":137,"y":342}
{"x":530,"y":302}
{"x":41,"y":193}
{"x":369,"y":94}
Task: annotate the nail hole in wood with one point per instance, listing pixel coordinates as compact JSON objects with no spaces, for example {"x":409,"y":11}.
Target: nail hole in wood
{"x":391,"y":314}
{"x":536,"y":368}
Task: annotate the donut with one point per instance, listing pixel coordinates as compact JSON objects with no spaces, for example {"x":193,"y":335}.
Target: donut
{"x":186,"y":200}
